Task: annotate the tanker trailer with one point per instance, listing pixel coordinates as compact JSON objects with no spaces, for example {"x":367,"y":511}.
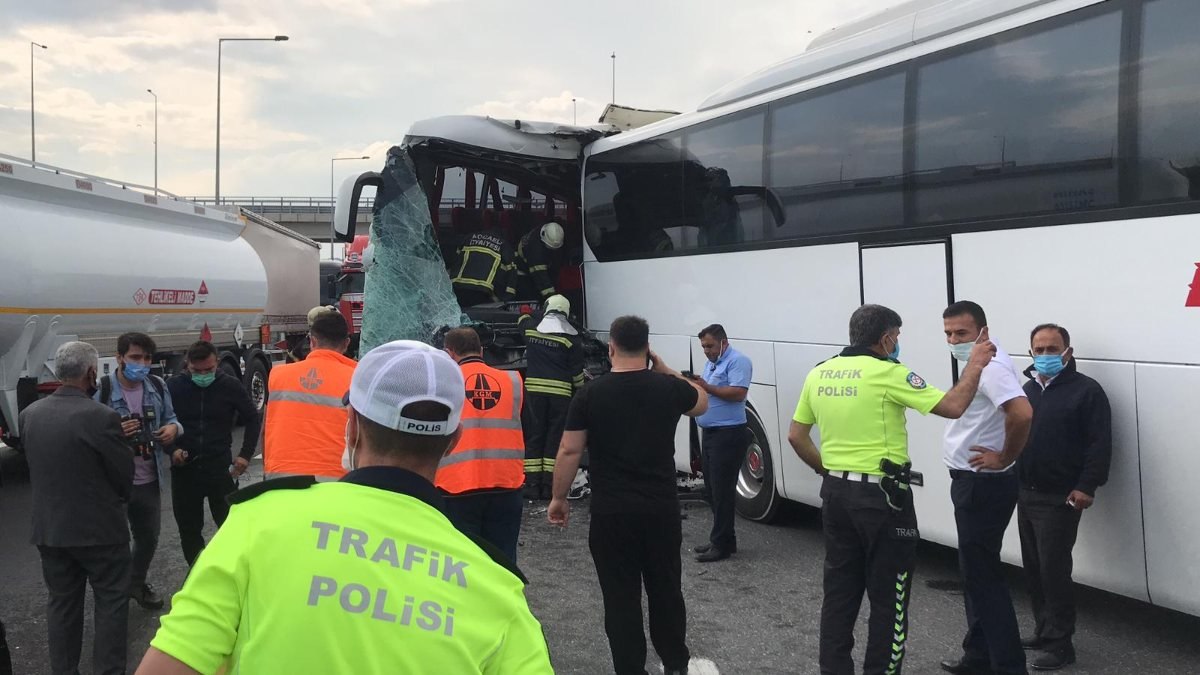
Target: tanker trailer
{"x":84,"y":258}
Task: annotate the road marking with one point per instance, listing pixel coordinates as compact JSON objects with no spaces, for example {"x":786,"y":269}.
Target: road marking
{"x":700,"y":667}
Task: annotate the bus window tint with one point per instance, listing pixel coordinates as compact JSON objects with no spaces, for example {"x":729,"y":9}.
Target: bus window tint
{"x":836,"y":159}
{"x":1169,"y":144}
{"x":1023,"y":126}
{"x":632,"y":204}
{"x":723,"y":166}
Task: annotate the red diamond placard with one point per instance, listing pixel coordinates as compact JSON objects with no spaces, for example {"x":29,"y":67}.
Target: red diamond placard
{"x":140,"y":296}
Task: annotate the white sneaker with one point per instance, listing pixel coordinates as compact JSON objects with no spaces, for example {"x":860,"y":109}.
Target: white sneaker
{"x":580,"y":487}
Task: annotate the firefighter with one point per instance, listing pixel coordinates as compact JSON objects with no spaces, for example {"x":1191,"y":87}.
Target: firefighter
{"x":481,"y":476}
{"x":306,"y":420}
{"x":484,"y":270}
{"x":554,"y":373}
{"x":533,"y":279}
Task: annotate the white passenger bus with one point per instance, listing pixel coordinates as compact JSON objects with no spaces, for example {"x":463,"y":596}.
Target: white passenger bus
{"x":1040,"y":157}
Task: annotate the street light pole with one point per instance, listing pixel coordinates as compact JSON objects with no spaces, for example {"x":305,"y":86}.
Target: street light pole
{"x":220,"y":43}
{"x":151,"y":92}
{"x":333,"y":198}
{"x":614,"y":78}
{"x":32,"y":126}
{"x":574,"y":112}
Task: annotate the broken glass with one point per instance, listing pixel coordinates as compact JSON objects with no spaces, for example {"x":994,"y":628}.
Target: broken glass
{"x":408,"y":292}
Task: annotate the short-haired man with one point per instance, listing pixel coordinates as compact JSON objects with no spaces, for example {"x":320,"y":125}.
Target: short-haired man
{"x":724,"y":435}
{"x":207,"y":402}
{"x":981,"y":449}
{"x":144,"y":403}
{"x":362,"y":575}
{"x":1065,"y":460}
{"x":483,"y":473}
{"x":859,"y":399}
{"x":81,"y":471}
{"x":627,"y":420}
{"x":305,"y":420}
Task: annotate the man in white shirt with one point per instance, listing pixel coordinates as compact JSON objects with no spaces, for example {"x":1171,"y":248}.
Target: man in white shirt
{"x":981,"y":449}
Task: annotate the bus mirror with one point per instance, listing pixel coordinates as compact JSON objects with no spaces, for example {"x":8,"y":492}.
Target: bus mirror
{"x":345,"y":212}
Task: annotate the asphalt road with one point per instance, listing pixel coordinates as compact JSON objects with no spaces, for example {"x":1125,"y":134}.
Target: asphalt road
{"x":755,"y":613}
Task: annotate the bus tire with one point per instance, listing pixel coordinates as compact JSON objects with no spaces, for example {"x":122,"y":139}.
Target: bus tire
{"x":757,"y":498}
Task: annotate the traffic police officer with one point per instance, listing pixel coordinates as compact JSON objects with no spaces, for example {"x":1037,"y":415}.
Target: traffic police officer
{"x":858,"y":399}
{"x":485,"y":270}
{"x":533,"y":262}
{"x":362,"y":575}
{"x":483,"y":473}
{"x":554,"y":373}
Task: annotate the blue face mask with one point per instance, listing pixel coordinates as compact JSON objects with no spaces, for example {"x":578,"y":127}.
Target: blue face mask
{"x":895,"y":353}
{"x":1048,"y":365}
{"x":136,"y":372}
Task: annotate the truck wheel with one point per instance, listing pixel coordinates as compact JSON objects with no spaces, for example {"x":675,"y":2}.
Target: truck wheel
{"x":256,"y":383}
{"x":757,"y":498}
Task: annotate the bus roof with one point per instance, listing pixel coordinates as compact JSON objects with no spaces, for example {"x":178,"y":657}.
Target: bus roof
{"x":895,"y":28}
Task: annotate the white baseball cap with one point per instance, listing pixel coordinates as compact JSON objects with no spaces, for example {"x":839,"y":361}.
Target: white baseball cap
{"x":396,"y":374}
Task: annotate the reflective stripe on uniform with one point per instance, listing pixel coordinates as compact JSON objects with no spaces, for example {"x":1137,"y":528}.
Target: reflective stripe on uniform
{"x":531,"y":333}
{"x":471,"y":455}
{"x":518,"y":396}
{"x":539,"y":385}
{"x":484,"y":423}
{"x":305,"y":397}
{"x":548,"y":464}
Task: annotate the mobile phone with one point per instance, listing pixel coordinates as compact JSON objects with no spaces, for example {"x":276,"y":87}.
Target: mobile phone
{"x":1071,"y":503}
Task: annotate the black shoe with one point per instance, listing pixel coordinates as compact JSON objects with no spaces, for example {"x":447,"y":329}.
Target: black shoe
{"x":1032,"y":642}
{"x":702,"y":548}
{"x":963,"y":667}
{"x":713,"y":554}
{"x":146,"y":597}
{"x":1054,"y":660}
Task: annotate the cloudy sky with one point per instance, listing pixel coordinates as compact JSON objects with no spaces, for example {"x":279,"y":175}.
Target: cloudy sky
{"x":354,"y":75}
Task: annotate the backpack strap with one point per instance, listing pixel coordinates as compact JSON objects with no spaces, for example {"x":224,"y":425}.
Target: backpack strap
{"x":159,"y":386}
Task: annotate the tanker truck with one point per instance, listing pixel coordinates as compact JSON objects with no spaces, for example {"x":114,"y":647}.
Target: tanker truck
{"x":86,"y":258}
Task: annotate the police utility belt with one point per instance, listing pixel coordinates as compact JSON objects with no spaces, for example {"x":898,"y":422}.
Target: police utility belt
{"x":895,"y":482}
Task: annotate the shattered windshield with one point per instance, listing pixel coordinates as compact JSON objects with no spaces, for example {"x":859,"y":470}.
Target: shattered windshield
{"x":408,"y":293}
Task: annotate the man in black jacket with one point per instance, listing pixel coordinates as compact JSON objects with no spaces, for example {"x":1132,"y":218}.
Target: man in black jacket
{"x":207,"y":402}
{"x":1065,"y":459}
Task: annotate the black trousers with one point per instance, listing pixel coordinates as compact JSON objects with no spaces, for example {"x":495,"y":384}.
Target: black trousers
{"x":545,"y":418}
{"x":722,"y":451}
{"x":868,"y":547}
{"x":190,"y":486}
{"x":983,"y":507}
{"x":1048,"y":528}
{"x":67,"y":571}
{"x":5,"y":657}
{"x":145,"y":520}
{"x":495,"y":516}
{"x":630,"y":550}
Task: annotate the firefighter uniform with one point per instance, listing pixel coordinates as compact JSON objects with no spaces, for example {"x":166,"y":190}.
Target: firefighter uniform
{"x":553,"y":374}
{"x":532,"y":279}
{"x":858,"y":401}
{"x":482,"y":475}
{"x":362,"y":575}
{"x":484,"y":270}
{"x":306,"y":420}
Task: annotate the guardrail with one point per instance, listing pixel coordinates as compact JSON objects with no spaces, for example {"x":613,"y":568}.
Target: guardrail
{"x":295,"y":204}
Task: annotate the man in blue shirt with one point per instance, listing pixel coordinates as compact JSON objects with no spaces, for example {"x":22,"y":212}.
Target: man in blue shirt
{"x":724,"y":436}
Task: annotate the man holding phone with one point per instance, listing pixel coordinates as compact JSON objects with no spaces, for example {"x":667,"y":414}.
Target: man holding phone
{"x":981,"y":449}
{"x":724,"y":435}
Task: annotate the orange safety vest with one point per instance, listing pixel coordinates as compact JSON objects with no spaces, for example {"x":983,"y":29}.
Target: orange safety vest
{"x":305,"y":431}
{"x":491,"y":452}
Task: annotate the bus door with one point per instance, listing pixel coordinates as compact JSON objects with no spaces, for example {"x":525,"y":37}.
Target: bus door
{"x":914,"y":280}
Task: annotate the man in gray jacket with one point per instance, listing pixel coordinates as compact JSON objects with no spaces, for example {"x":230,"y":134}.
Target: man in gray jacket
{"x":81,"y":472}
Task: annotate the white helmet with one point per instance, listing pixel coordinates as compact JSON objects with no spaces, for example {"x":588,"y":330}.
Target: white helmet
{"x":553,"y":235}
{"x":558,"y":303}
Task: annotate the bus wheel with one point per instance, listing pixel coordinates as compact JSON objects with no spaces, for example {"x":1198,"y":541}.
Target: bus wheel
{"x":756,"y":495}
